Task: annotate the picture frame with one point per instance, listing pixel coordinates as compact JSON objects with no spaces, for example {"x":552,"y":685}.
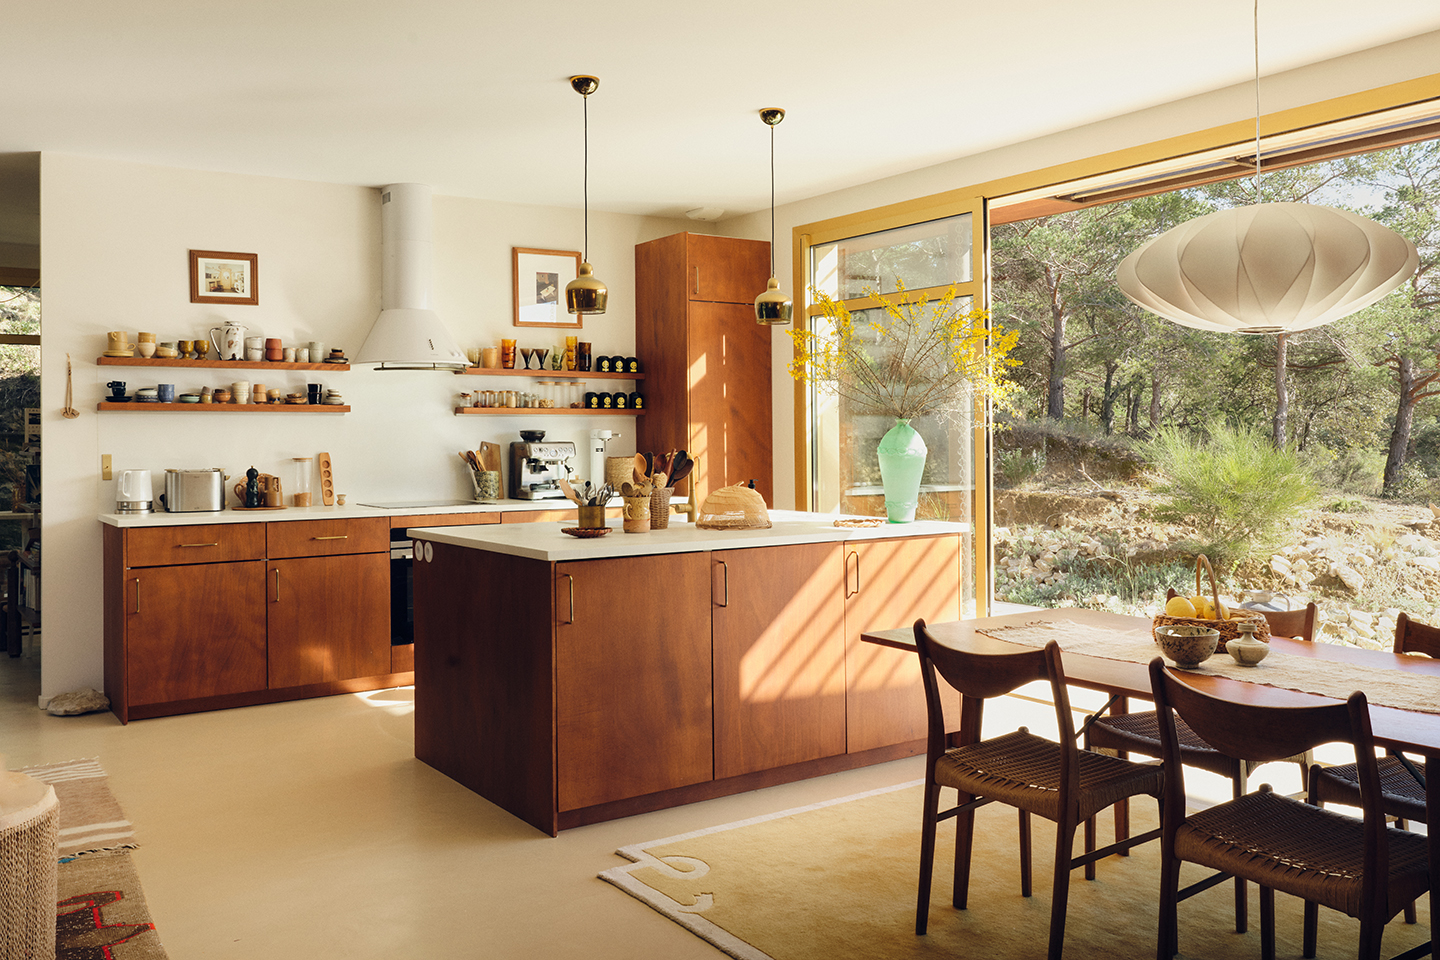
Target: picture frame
{"x":538,"y":279}
{"x":220,"y":277}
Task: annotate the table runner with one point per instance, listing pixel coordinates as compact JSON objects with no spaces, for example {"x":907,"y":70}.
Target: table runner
{"x":1383,"y":686}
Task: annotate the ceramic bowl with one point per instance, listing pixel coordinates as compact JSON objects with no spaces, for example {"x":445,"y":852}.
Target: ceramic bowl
{"x":168,"y":353}
{"x":1185,"y":645}
{"x":146,"y":348}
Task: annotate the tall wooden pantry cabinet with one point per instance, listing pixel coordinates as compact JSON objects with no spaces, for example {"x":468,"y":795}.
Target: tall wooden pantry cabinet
{"x":707,"y":362}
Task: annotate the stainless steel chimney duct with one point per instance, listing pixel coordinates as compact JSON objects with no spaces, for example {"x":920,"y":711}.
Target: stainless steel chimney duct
{"x":408,"y":334}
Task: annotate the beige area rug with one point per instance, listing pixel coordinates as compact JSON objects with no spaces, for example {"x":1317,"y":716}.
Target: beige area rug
{"x":101,"y":912}
{"x":838,"y":880}
{"x":91,"y":820}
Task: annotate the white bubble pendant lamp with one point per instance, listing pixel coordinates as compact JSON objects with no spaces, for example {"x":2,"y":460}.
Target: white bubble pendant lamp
{"x":1269,"y":267}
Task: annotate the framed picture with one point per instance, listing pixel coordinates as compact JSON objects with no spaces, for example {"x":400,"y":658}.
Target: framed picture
{"x":217,"y":277}
{"x":539,"y":278}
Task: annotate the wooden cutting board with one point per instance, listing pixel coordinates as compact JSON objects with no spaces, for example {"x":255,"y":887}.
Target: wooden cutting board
{"x":491,"y":459}
{"x":327,"y":480}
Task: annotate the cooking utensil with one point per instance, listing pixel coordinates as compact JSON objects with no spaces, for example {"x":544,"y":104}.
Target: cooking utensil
{"x":69,"y":413}
{"x":570,"y":492}
{"x":681,"y":468}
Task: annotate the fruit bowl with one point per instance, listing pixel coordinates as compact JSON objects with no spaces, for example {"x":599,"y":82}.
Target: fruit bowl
{"x":1187,"y":646}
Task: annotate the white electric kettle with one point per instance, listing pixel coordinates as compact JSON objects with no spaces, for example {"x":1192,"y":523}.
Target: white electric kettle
{"x":134,"y":492}
{"x":229,"y":341}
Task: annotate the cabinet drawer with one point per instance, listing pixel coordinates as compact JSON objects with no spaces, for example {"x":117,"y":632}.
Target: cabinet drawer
{"x":323,"y":538}
{"x":204,"y":543}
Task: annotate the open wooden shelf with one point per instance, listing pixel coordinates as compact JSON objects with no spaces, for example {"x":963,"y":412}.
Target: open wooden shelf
{"x":545,"y":412}
{"x":234,"y":364}
{"x":133,"y":407}
{"x":548,"y":374}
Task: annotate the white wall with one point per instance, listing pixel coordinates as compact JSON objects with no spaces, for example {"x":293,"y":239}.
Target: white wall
{"x":115,"y":244}
{"x":1367,"y":70}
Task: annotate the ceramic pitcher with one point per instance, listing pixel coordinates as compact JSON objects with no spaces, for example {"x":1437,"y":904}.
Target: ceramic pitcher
{"x":229,"y":341}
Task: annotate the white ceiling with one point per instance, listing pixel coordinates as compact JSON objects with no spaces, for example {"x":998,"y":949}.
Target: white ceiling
{"x":473,"y":99}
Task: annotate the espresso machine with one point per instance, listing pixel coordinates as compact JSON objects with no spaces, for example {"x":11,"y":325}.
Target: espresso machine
{"x":537,"y":468}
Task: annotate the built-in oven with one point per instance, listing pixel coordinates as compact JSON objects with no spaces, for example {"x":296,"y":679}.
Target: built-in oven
{"x":402,"y":588}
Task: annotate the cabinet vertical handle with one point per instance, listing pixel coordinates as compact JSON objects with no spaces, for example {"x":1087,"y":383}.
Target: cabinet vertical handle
{"x":697,"y":280}
{"x":277,"y":585}
{"x":848,"y":592}
{"x":725,"y":568}
{"x":572,"y":596}
{"x":137,"y":594}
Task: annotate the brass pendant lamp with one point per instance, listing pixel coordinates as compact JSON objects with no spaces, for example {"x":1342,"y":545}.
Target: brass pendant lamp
{"x":772,"y":307}
{"x":1267,"y":267}
{"x":586,"y":293}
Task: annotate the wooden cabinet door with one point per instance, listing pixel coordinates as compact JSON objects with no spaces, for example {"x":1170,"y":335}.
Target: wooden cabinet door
{"x":891,"y":583}
{"x":194,"y":631}
{"x":329,"y":618}
{"x":778,"y":620}
{"x":727,"y":269}
{"x":729,"y":383}
{"x":632,"y":677}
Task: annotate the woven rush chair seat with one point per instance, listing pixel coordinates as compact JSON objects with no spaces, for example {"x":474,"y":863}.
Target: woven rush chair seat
{"x":1402,"y":795}
{"x":1023,"y":770}
{"x":1318,"y":855}
{"x":1140,"y":733}
{"x":1360,"y":867}
{"x":1055,"y":780}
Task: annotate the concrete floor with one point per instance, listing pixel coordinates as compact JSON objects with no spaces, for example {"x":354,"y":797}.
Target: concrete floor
{"x":308,"y":830}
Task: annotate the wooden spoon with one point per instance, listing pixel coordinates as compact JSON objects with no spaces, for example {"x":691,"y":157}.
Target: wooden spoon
{"x":569,"y":491}
{"x":69,"y":413}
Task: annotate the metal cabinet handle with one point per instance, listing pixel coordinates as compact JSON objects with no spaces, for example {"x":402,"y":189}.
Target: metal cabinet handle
{"x":342,"y":537}
{"x":725,"y":568}
{"x":848,"y":592}
{"x":215,"y":544}
{"x":137,"y":594}
{"x":572,"y":596}
{"x":277,"y":585}
{"x":697,"y":281}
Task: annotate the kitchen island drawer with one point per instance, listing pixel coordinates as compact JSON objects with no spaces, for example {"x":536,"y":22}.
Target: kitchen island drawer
{"x":202,"y":543}
{"x":325,"y":538}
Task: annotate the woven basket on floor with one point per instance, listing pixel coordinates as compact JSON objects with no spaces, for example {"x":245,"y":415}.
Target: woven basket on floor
{"x":1228,"y":629}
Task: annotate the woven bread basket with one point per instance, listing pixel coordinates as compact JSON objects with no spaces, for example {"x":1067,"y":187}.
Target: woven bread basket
{"x":733,"y":508}
{"x":1228,"y":629}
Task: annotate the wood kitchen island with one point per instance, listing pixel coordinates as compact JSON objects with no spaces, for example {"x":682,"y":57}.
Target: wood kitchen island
{"x":572,"y":681}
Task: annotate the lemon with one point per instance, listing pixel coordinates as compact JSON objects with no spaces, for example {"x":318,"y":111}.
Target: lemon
{"x":1179,"y":607}
{"x":1202,"y":607}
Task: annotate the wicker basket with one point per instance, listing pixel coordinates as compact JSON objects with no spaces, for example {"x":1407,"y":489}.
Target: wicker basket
{"x":1228,"y":629}
{"x":660,"y":508}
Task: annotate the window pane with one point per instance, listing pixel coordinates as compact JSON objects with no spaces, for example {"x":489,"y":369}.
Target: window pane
{"x":930,"y":254}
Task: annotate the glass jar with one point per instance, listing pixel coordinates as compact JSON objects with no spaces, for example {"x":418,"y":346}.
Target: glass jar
{"x":301,"y":490}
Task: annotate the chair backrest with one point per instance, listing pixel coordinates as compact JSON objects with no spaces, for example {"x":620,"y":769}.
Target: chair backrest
{"x":1293,"y":623}
{"x":1250,"y":731}
{"x":982,"y":676}
{"x":1411,"y":636}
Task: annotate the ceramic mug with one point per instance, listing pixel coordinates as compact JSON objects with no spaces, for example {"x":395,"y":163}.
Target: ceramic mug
{"x":273,"y":350}
{"x":317,"y":351}
{"x":165,"y":392}
{"x":637,"y":515}
{"x":240,"y":391}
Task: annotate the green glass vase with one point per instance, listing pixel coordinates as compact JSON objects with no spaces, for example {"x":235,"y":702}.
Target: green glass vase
{"x":902,"y":454}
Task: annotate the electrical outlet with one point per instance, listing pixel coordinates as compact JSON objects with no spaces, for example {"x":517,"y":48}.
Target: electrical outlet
{"x":105,"y":472}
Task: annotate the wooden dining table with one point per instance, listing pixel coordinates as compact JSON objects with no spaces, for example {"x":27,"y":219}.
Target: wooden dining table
{"x":1412,"y":731}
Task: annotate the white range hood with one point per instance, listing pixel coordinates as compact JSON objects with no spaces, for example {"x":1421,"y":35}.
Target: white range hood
{"x":408,"y":335}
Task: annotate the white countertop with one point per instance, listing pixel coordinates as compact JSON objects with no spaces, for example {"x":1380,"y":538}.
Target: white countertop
{"x":349,"y":511}
{"x":544,"y":541}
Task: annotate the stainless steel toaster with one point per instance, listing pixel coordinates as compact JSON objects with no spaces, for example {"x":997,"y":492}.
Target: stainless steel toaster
{"x":194,"y":491}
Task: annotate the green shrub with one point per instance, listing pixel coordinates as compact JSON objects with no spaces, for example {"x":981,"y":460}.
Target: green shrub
{"x":1351,"y":471}
{"x":1233,"y":487}
{"x":1015,"y":467}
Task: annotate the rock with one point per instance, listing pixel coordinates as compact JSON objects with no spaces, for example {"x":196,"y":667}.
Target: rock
{"x":78,"y":702}
{"x":1351,"y":577}
{"x":1427,"y":564}
{"x":1280,"y":565}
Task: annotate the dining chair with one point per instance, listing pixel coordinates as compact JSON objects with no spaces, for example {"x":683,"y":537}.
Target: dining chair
{"x":1139,"y":733}
{"x":1054,"y":780}
{"x":1402,"y":780}
{"x":1360,"y":867}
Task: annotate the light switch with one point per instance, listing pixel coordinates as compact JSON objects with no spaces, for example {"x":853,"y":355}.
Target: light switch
{"x":105,"y":467}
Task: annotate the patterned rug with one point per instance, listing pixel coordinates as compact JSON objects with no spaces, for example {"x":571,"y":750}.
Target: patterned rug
{"x":101,"y":913}
{"x":837,"y":881}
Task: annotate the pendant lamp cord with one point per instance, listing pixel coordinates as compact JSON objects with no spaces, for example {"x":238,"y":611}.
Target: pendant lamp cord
{"x":1255,"y":24}
{"x":772,"y":199}
{"x":586,"y":187}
